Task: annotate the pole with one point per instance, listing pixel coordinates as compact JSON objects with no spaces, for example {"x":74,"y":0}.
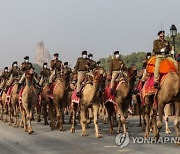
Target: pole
{"x":174,"y":47}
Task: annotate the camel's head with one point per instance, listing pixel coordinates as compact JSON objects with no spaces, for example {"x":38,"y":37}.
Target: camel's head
{"x":132,"y":71}
{"x":65,"y":74}
{"x":29,"y":74}
{"x":98,"y":74}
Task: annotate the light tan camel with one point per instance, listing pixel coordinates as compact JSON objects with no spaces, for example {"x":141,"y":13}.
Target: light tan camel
{"x":4,"y":113}
{"x":169,"y":92}
{"x":29,"y":101}
{"x":89,"y":100}
{"x":14,"y":106}
{"x":60,"y":95}
{"x":123,"y":99}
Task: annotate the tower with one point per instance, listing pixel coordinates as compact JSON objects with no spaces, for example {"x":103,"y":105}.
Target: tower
{"x":42,"y":54}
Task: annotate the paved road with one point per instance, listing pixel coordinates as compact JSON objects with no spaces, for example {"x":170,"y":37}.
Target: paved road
{"x":45,"y":141}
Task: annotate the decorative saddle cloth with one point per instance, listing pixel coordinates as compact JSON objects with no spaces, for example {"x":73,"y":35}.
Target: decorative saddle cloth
{"x":166,"y":66}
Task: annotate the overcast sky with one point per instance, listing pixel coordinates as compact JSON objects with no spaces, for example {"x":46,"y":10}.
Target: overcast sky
{"x":71,"y":26}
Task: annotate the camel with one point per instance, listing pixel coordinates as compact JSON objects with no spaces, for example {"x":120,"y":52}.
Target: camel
{"x":123,"y":99}
{"x":4,"y":109}
{"x":169,"y":92}
{"x":60,"y":96}
{"x":29,"y":101}
{"x":146,"y":108}
{"x":45,"y":103}
{"x":90,"y":99}
{"x":14,"y":106}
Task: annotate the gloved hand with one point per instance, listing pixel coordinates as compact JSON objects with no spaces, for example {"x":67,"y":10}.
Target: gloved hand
{"x":163,"y":49}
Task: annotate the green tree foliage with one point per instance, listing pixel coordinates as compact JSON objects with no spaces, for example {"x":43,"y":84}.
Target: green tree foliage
{"x":37,"y":68}
{"x":135,"y":58}
{"x":177,"y":42}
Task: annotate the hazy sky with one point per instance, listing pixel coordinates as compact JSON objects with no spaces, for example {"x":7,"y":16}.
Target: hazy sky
{"x":70,"y":26}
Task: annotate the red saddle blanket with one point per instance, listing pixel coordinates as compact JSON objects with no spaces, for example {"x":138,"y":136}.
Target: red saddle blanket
{"x":74,"y":98}
{"x":165,"y":67}
{"x":52,"y":88}
{"x":148,"y":89}
{"x":21,"y":91}
{"x":107,"y":93}
{"x":9,"y":90}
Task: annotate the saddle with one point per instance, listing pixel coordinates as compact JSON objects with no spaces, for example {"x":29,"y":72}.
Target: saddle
{"x":108,"y":97}
{"x":166,"y":66}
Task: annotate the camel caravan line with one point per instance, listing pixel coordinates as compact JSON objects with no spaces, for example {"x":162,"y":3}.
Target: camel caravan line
{"x":94,"y":99}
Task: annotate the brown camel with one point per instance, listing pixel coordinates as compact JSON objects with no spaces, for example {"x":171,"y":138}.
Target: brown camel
{"x":29,"y":101}
{"x":4,"y":104}
{"x":14,"y":106}
{"x":169,"y":92}
{"x":89,"y":100}
{"x":45,"y":103}
{"x":60,"y":95}
{"x":123,"y":97}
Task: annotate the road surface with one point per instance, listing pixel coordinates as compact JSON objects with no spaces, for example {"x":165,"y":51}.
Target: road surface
{"x":45,"y":141}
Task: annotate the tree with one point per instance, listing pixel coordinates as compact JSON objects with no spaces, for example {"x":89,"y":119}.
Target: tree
{"x":37,"y":68}
{"x":177,"y":42}
{"x":135,"y":58}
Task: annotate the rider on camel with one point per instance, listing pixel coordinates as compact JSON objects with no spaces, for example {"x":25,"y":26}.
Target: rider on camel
{"x":161,"y":48}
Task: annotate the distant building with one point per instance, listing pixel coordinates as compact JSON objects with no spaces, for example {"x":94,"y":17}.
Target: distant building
{"x":42,"y":54}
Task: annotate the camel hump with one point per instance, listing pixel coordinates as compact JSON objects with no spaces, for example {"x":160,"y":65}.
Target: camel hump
{"x":166,"y":66}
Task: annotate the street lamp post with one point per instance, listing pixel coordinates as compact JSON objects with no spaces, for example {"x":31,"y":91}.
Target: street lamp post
{"x":173,"y":33}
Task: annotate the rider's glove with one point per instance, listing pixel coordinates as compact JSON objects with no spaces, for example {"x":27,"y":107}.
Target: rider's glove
{"x":163,"y":49}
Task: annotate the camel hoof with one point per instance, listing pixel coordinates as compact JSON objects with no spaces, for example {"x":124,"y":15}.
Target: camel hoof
{"x":98,"y":135}
{"x":168,"y":132}
{"x":10,"y":124}
{"x":15,"y":126}
{"x":83,"y":134}
{"x":39,"y":120}
{"x":62,"y":129}
{"x":46,"y":123}
{"x":30,"y":132}
{"x":72,"y":130}
{"x":146,"y":136}
{"x":25,"y":130}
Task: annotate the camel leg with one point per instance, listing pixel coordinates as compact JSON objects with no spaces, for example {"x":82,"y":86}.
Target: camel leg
{"x":119,"y":125}
{"x":166,"y":117}
{"x":61,"y":128}
{"x":140,"y":113}
{"x":52,"y":114}
{"x":38,"y":112}
{"x":75,"y":105}
{"x":110,"y":114}
{"x":16,"y":122}
{"x":10,"y":114}
{"x":29,"y":118}
{"x":147,"y":116}
{"x":160,"y":116}
{"x":95,"y":110}
{"x":154,"y":122}
{"x":24,"y":120}
{"x":44,"y":110}
{"x":176,"y":121}
{"x":83,"y":121}
{"x":144,"y":120}
{"x":122,"y":117}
